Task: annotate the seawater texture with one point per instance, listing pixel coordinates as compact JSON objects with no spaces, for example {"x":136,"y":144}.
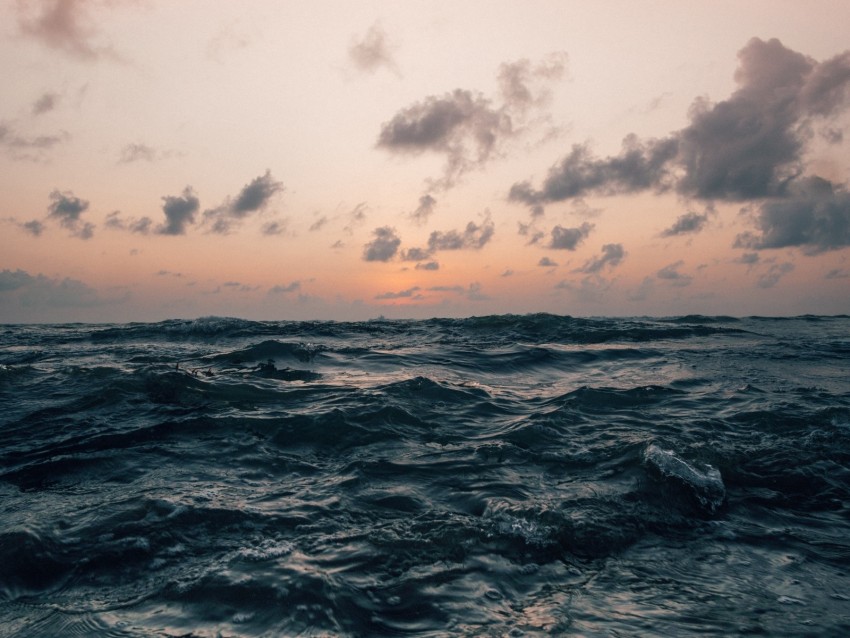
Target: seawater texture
{"x":505,"y":475}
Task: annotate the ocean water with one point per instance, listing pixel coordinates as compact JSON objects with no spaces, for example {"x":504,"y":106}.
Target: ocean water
{"x":495,"y":476}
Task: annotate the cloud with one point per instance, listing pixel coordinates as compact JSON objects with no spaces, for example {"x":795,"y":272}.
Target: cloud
{"x":383,"y":247}
{"x":474,"y":236}
{"x":671,"y":274}
{"x":138,"y":226}
{"x":273,"y":228}
{"x":816,"y":218}
{"x":415,"y":254}
{"x":253,"y":197}
{"x":837,"y":273}
{"x":63,"y":25}
{"x":545,"y":262}
{"x":528,"y":230}
{"x":318,"y":224}
{"x":430,"y":265}
{"x":45,"y":103}
{"x":774,"y":274}
{"x":372,"y":51}
{"x":748,"y":259}
{"x":473,"y":292}
{"x":67,"y":210}
{"x":524,"y":84}
{"x":179,"y":212}
{"x":34,"y":227}
{"x":21,"y":290}
{"x":137,"y":152}
{"x":463,"y":126}
{"x":612,"y":255}
{"x":402,"y":294}
{"x":748,"y":147}
{"x":569,"y":238}
{"x":34,"y":149}
{"x":424,"y":210}
{"x":284,"y":289}
{"x":639,"y":166}
{"x":356,"y":216}
{"x":689,"y":223}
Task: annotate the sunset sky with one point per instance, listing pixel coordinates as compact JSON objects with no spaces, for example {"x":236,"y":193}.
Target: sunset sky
{"x":347,"y":160}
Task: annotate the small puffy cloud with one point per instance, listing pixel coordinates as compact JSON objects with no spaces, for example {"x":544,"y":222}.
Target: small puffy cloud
{"x":287,"y":288}
{"x":424,"y":210}
{"x":545,"y":262}
{"x":372,"y":51}
{"x":34,"y":227}
{"x":816,"y":218}
{"x":430,"y":265}
{"x":776,"y":271}
{"x":273,"y":228}
{"x":474,"y":236}
{"x":673,"y":276}
{"x":253,"y":197}
{"x":687,"y":224}
{"x":612,"y":255}
{"x":67,"y":209}
{"x":415,"y":254}
{"x":410,"y":293}
{"x":179,"y":212}
{"x":569,"y":238}
{"x":137,"y":226}
{"x":46,"y":103}
{"x":534,"y":235}
{"x":507,"y":273}
{"x":383,"y":247}
{"x":463,"y":126}
{"x":748,"y":259}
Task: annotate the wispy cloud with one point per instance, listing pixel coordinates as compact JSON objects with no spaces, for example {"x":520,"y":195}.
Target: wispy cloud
{"x":253,"y":197}
{"x":372,"y":51}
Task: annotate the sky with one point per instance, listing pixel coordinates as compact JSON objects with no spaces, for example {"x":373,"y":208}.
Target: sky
{"x":337,"y":160}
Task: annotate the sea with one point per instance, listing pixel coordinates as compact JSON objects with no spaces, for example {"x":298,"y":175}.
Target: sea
{"x":512,"y":475}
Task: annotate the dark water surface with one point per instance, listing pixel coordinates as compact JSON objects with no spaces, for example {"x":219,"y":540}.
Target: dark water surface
{"x":491,"y":476}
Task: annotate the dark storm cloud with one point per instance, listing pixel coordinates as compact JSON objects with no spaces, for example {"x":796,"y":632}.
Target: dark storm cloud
{"x":45,"y":103}
{"x":815,"y":218}
{"x":179,"y":212}
{"x":424,"y":210}
{"x":750,"y":146}
{"x":372,"y":51}
{"x":463,"y":126}
{"x":64,"y":25}
{"x":383,"y":247}
{"x":687,"y":224}
{"x":671,"y":274}
{"x":612,"y":255}
{"x":402,"y":294}
{"x":474,"y":236}
{"x":253,"y":197}
{"x":569,"y":238}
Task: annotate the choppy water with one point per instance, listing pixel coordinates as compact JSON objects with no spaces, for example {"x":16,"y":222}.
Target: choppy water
{"x":490,"y":476}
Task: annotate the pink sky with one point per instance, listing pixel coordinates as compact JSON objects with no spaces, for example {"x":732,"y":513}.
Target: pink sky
{"x":338,"y":160}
